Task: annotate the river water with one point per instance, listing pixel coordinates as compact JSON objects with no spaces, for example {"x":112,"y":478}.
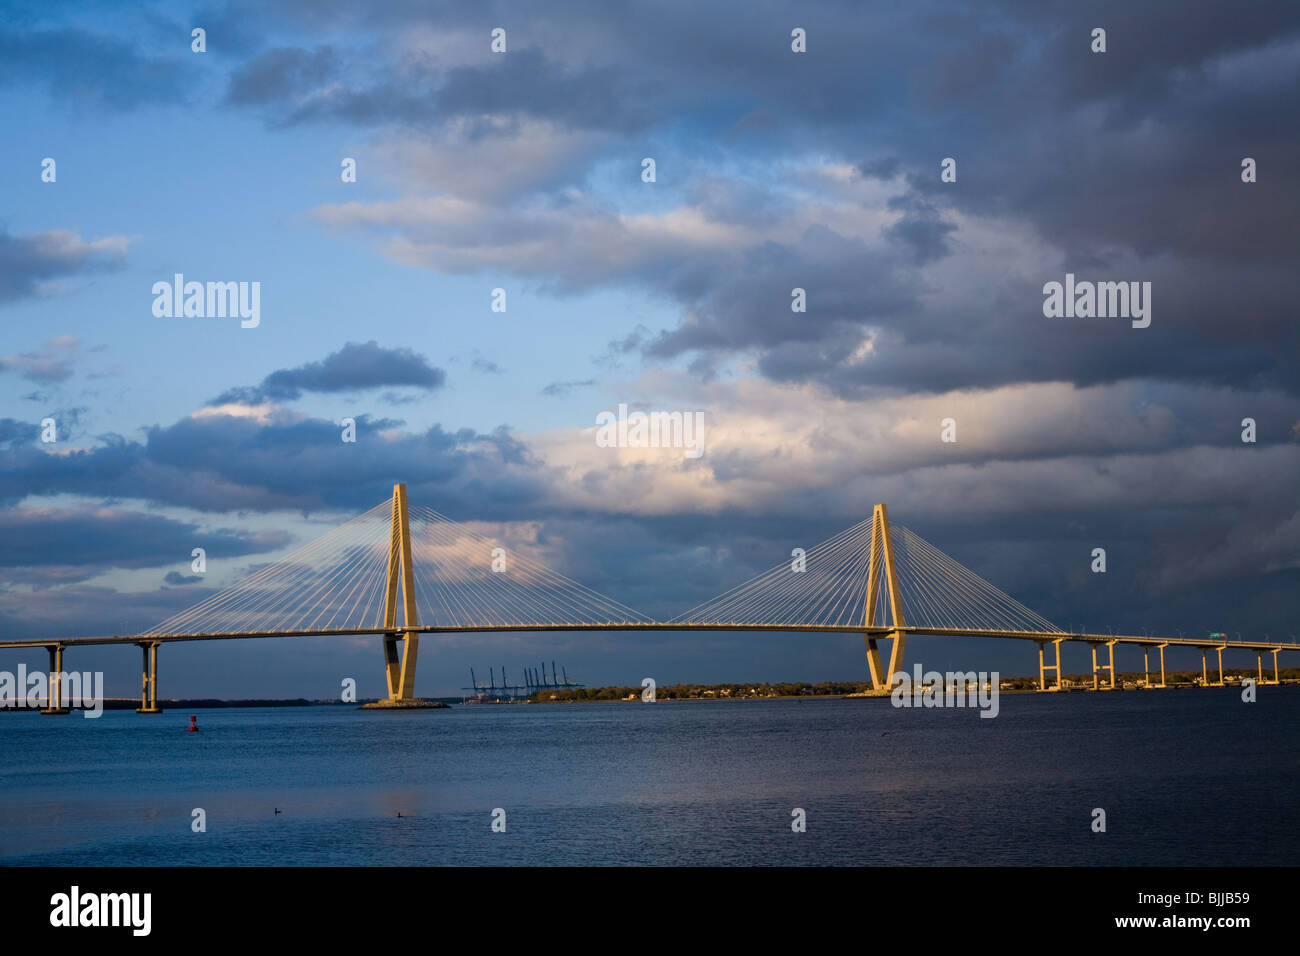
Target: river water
{"x":1183,"y":776}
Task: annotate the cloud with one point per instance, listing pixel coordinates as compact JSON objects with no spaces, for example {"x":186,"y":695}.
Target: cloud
{"x":178,"y":579}
{"x":489,"y":157}
{"x":283,"y":73}
{"x":1090,"y":173}
{"x":14,"y":432}
{"x":565,"y":389}
{"x":219,"y":461}
{"x":354,"y":367}
{"x":31,"y":265}
{"x":41,"y":546}
{"x":51,"y":363}
{"x":78,"y":68}
{"x":903,"y":289}
{"x":295,"y":85}
{"x":487,"y":366}
{"x":1122,"y":166}
{"x":1039,"y":475}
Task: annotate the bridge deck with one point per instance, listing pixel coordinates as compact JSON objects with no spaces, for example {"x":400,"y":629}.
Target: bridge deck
{"x":1143,"y":640}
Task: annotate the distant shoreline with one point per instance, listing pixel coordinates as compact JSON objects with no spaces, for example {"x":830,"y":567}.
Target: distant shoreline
{"x":858,"y":690}
{"x":829,"y":690}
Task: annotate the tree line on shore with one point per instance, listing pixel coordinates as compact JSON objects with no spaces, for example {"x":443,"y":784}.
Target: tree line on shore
{"x":762,"y":689}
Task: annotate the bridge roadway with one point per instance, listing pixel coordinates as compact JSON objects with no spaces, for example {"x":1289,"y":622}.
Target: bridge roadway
{"x":870,"y":631}
{"x":150,"y":643}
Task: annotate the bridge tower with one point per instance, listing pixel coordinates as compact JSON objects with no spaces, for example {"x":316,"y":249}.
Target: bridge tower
{"x":401,"y":673}
{"x":882,"y":550}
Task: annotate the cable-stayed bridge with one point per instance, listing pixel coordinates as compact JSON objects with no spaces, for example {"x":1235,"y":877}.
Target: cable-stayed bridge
{"x":399,"y":571}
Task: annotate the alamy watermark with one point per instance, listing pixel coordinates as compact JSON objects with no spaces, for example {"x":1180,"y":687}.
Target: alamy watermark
{"x":78,"y":689}
{"x":212,"y":300}
{"x":129,"y":910}
{"x":951,"y":689}
{"x":651,"y":430}
{"x":1101,"y":300}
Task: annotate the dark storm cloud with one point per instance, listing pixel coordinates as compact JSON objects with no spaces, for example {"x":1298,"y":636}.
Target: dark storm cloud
{"x":1125,"y":165}
{"x":922,"y":229}
{"x":78,"y":609}
{"x":219,"y":462}
{"x":26,"y":262}
{"x":46,"y":546}
{"x":354,"y":367}
{"x":749,"y":305}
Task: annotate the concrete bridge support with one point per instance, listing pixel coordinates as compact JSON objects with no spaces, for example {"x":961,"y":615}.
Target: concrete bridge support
{"x":1259,"y":660}
{"x":1043,"y":668}
{"x":1146,"y":666}
{"x":1219,"y":682}
{"x":1205,"y":670}
{"x":1097,"y":668}
{"x":149,"y":679}
{"x":54,"y":694}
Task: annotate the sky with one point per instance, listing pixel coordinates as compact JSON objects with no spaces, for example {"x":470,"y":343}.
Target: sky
{"x":523,"y":171}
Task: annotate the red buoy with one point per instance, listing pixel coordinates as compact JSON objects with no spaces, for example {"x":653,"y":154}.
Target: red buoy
{"x":193,"y":725}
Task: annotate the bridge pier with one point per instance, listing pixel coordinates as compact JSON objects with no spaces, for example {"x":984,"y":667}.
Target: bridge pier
{"x":1259,"y":660}
{"x":149,"y":679}
{"x":1146,"y":666}
{"x":54,"y":694}
{"x":1042,"y":668}
{"x":882,"y":679}
{"x":874,"y":665}
{"x":392,"y":664}
{"x":1205,"y":670}
{"x":1096,"y":668}
{"x":1205,"y":673}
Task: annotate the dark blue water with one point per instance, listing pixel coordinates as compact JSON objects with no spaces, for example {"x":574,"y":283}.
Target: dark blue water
{"x":1185,"y":777}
